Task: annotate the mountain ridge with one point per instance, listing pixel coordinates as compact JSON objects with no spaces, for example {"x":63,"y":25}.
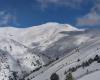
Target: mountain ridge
{"x":37,"y":48}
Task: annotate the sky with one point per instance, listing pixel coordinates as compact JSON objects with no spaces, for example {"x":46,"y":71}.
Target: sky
{"x":27,"y":13}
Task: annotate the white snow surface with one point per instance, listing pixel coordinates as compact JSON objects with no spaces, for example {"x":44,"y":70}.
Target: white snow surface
{"x":18,"y":43}
{"x":36,"y":34}
{"x":92,"y":76}
{"x":28,"y":48}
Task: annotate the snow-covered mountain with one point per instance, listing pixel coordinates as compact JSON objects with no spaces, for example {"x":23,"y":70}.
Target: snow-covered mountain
{"x":81,"y":62}
{"x":42,"y":50}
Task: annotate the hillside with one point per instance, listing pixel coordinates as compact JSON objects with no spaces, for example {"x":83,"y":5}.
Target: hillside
{"x":35,"y":53}
{"x":80,"y":62}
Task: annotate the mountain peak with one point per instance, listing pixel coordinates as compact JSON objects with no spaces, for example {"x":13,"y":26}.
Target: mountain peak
{"x":56,"y":25}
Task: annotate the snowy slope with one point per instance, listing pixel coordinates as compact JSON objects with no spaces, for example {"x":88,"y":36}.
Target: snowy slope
{"x":92,"y":76}
{"x":84,"y":52}
{"x":40,"y":38}
{"x":24,"y":45}
{"x":45,"y":33}
{"x":20,"y":60}
{"x":37,"y":52}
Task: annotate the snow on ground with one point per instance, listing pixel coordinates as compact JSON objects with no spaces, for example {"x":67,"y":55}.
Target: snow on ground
{"x":92,"y":76}
{"x":40,"y":33}
{"x":70,"y":43}
{"x":86,"y":51}
{"x":18,"y":43}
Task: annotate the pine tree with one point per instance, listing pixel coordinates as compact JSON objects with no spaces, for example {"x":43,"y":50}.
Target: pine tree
{"x":90,"y":60}
{"x":54,"y":76}
{"x":69,"y":77}
{"x":96,"y":58}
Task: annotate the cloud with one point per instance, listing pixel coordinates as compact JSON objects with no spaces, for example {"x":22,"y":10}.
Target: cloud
{"x":6,"y":18}
{"x":67,"y":3}
{"x":92,"y":18}
{"x":96,"y":8}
